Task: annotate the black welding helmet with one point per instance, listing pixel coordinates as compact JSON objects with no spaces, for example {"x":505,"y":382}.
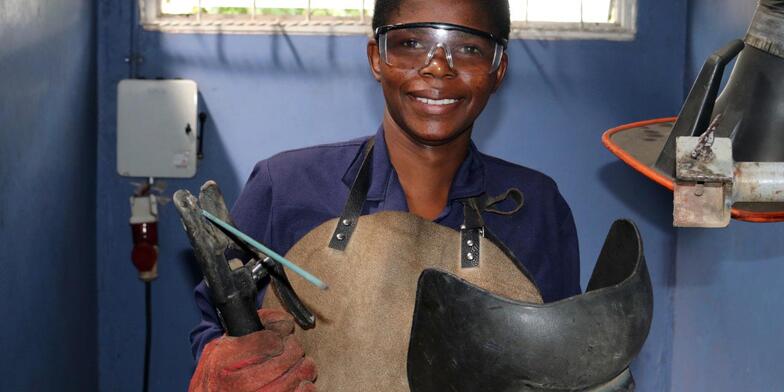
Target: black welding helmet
{"x":465,"y":338}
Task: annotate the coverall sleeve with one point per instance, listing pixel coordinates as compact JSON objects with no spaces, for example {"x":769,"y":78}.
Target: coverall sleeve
{"x":251,"y":214}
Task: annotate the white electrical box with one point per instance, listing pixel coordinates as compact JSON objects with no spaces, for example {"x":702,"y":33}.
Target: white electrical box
{"x":157,"y":128}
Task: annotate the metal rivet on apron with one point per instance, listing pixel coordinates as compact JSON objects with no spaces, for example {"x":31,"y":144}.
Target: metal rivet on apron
{"x":462,"y":227}
{"x":340,"y":236}
{"x":346,"y":222}
{"x":469,"y":256}
{"x":470,"y":243}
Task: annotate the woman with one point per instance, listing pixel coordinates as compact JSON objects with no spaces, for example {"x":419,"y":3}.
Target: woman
{"x":438,"y":63}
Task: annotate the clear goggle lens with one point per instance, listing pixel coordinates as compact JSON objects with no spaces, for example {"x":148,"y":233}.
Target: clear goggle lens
{"x":415,"y":48}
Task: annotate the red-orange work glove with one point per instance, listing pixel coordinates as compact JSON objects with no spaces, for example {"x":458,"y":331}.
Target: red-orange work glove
{"x":271,"y":360}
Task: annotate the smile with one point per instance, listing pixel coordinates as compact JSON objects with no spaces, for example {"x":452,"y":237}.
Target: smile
{"x":436,"y":101}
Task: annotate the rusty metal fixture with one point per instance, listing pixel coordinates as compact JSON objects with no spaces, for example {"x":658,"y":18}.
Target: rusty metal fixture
{"x":705,"y":190}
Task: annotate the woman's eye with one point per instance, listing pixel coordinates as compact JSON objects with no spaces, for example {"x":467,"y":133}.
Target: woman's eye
{"x":470,"y":50}
{"x":412,"y":44}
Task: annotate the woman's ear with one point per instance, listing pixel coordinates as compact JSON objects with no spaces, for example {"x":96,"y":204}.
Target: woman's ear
{"x":374,"y":59}
{"x":501,"y":72}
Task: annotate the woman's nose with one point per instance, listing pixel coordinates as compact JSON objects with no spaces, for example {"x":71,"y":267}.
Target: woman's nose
{"x":438,"y":64}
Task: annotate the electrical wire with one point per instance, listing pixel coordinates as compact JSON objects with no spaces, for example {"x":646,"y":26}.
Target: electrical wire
{"x":133,"y":59}
{"x":147,"y":335}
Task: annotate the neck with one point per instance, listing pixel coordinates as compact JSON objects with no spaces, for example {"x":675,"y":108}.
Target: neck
{"x":425,"y":171}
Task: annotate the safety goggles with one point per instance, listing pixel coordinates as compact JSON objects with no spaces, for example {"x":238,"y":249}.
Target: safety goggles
{"x":413,"y":46}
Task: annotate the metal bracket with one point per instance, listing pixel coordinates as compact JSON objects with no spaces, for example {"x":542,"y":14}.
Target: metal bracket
{"x":704,"y":172}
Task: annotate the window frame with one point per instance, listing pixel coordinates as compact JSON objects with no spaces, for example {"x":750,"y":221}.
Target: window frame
{"x":624,"y":29}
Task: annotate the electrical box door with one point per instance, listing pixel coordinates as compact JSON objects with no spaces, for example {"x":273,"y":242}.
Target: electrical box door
{"x":157,"y":128}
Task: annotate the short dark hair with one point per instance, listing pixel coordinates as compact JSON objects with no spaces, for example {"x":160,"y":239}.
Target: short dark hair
{"x":498,"y":10}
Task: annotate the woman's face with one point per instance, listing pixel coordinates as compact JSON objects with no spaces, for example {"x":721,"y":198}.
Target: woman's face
{"x":436,"y":104}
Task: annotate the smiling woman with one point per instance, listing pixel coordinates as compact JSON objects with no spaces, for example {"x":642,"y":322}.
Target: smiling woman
{"x":343,"y":211}
{"x":348,"y":211}
{"x":542,"y":19}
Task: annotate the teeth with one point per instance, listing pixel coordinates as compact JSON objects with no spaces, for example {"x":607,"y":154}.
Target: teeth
{"x":436,"y":101}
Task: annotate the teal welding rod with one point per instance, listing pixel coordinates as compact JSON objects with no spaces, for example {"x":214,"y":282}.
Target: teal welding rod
{"x":267,"y":251}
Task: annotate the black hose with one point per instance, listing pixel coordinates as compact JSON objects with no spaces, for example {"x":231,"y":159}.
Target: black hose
{"x":147,"y":335}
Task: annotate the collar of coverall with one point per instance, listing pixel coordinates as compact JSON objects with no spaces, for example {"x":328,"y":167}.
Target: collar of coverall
{"x":469,"y":180}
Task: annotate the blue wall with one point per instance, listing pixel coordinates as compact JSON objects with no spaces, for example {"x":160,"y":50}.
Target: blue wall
{"x":47,"y":195}
{"x":728,"y":298}
{"x":718,"y":329}
{"x":267,"y":93}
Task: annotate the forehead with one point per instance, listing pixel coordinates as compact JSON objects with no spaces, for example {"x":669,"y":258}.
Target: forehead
{"x":470,"y":13}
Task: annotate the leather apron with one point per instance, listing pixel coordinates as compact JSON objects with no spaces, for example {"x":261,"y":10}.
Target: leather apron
{"x":372,"y":263}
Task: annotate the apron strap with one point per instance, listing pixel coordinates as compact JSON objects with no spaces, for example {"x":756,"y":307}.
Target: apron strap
{"x":473,"y":226}
{"x":348,"y":219}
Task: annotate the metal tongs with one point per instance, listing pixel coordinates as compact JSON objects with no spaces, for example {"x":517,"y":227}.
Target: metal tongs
{"x":233,"y":284}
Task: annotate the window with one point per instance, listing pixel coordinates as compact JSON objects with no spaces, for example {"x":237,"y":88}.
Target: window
{"x":548,"y":19}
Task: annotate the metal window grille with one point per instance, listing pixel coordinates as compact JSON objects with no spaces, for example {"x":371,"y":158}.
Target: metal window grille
{"x":540,"y":19}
